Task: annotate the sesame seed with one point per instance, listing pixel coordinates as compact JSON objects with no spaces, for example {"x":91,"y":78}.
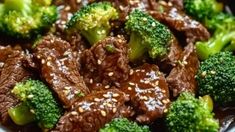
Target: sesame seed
{"x":115,"y":95}
{"x":165,"y":101}
{"x":114,"y":110}
{"x":109,"y":105}
{"x":103,"y":113}
{"x":107,"y":86}
{"x":48,"y":63}
{"x":74,"y":113}
{"x":129,"y":88}
{"x":99,"y":62}
{"x":114,"y":100}
{"x":131,"y":83}
{"x":67,"y":8}
{"x":131,"y":72}
{"x":165,"y":110}
{"x":110,"y":74}
{"x":105,"y":95}
{"x":96,"y":99}
{"x":213,"y":72}
{"x":145,"y":19}
{"x":43,"y":61}
{"x":79,"y":1}
{"x":203,"y":74}
{"x":80,"y":109}
{"x":30,"y":96}
{"x":153,"y":24}
{"x":91,"y":81}
{"x":32,"y":111}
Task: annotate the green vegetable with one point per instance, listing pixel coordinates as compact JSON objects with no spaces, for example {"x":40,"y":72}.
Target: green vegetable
{"x":18,"y":113}
{"x":40,"y":102}
{"x":202,"y":9}
{"x":146,"y":35}
{"x":189,"y":114}
{"x":123,"y":125}
{"x":216,"y":77}
{"x":26,"y":18}
{"x":93,"y":21}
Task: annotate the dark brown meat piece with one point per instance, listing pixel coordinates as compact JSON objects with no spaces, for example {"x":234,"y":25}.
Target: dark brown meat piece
{"x":12,"y":73}
{"x":106,"y":62}
{"x":58,"y":65}
{"x":4,"y":52}
{"x":93,"y":111}
{"x":148,"y":92}
{"x":175,"y":51}
{"x":182,"y":77}
{"x":178,"y":21}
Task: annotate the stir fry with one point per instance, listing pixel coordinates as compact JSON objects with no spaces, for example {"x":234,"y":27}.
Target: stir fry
{"x":117,"y":65}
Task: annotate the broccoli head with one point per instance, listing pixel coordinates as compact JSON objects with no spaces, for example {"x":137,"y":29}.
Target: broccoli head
{"x":93,"y":21}
{"x":38,"y":103}
{"x":202,"y":9}
{"x":123,"y":125}
{"x":26,"y":18}
{"x":146,"y":35}
{"x":216,"y":77}
{"x":189,"y":114}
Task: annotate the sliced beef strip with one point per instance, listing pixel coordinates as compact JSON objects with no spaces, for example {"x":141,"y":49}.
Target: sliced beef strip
{"x":177,"y":20}
{"x":12,"y":73}
{"x":148,"y":92}
{"x":4,"y":52}
{"x":175,"y":50}
{"x":106,"y":62}
{"x":93,"y":111}
{"x":182,"y":77}
{"x":58,"y":65}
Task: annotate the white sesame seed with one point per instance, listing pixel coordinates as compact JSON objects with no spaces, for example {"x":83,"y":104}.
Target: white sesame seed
{"x":203,"y":73}
{"x":91,"y":81}
{"x":145,"y":19}
{"x":30,"y":96}
{"x":110,"y":74}
{"x":107,"y":86}
{"x":43,"y":61}
{"x":103,"y":113}
{"x":114,"y":110}
{"x":114,"y":100}
{"x":129,"y":88}
{"x":213,"y":72}
{"x":115,"y":95}
{"x":96,"y":99}
{"x":99,"y":62}
{"x":131,"y":72}
{"x":74,"y":113}
{"x":131,"y":83}
{"x":80,"y":109}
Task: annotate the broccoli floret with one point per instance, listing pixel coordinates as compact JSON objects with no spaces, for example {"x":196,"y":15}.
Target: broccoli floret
{"x":146,"y":35}
{"x":40,"y":102}
{"x":202,"y":9}
{"x":216,"y":77}
{"x":123,"y":125}
{"x":93,"y":21}
{"x":26,"y":18}
{"x":189,"y":114}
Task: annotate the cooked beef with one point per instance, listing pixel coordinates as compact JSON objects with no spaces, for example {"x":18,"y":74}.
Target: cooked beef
{"x":175,"y":51}
{"x":4,"y":52}
{"x":106,"y":62}
{"x":177,"y":20}
{"x":12,"y":73}
{"x":148,"y":92}
{"x":58,"y":66}
{"x":182,"y":77}
{"x":126,"y":6}
{"x":179,"y":4}
{"x":93,"y":111}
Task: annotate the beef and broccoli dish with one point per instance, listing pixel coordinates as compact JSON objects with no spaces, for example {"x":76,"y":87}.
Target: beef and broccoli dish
{"x":117,"y":66}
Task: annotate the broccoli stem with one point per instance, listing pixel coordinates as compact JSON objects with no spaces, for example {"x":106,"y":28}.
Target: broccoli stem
{"x":213,"y":46}
{"x":21,"y":114}
{"x":137,"y":49}
{"x":96,"y":34}
{"x":209,"y":102}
